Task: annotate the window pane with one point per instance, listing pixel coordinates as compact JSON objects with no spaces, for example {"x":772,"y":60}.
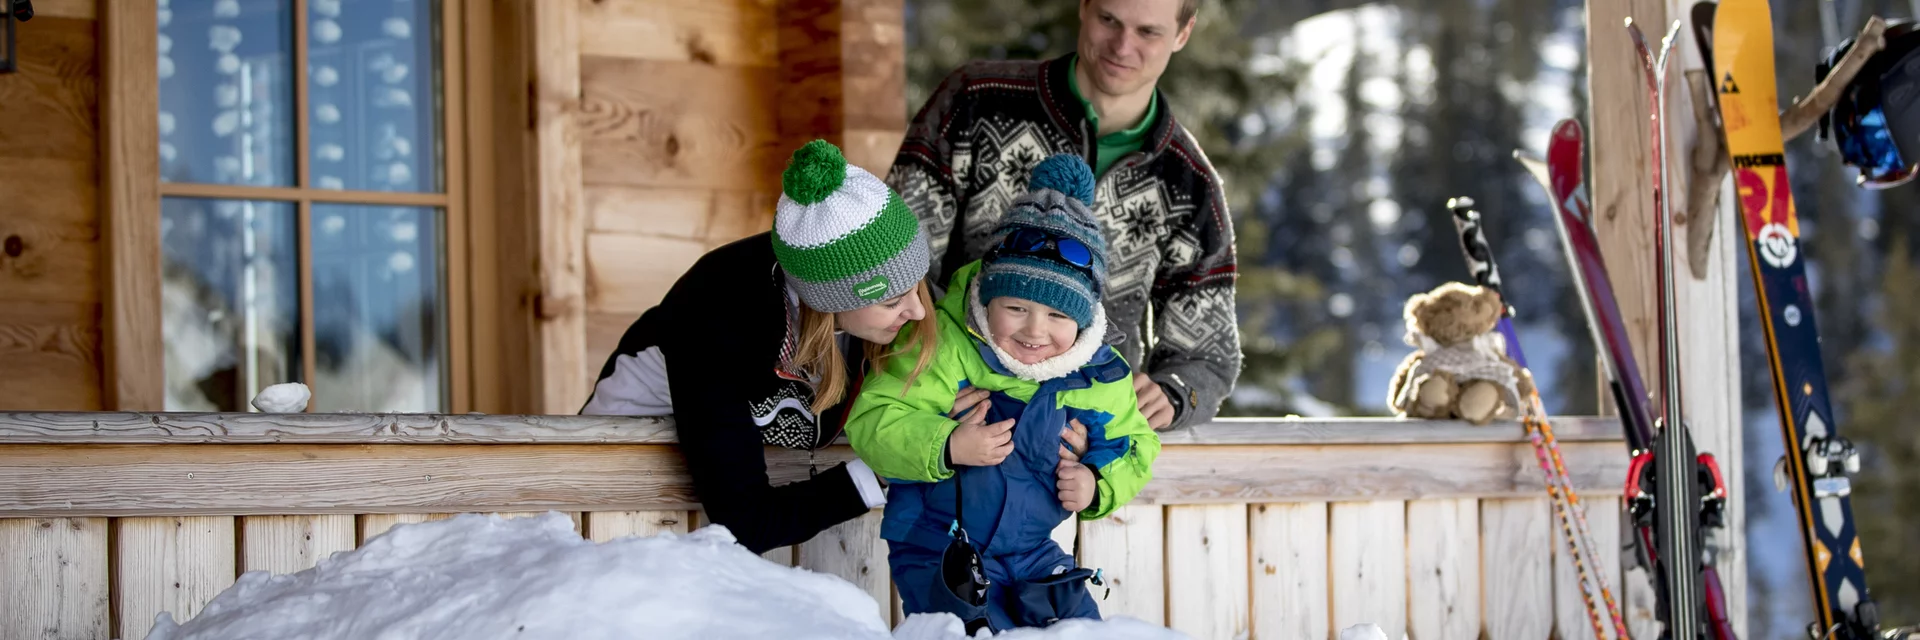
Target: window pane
{"x":226,"y":92}
{"x":377,"y":308}
{"x":373,"y":71}
{"x":229,"y":301}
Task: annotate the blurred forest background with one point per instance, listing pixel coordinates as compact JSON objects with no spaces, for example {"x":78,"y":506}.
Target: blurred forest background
{"x":1342,"y":127}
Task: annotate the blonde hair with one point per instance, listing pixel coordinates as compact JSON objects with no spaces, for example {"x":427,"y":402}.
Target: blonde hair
{"x":819,"y":354}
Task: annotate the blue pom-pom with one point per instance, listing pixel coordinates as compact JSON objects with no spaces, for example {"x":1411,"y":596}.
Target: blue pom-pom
{"x":1065,"y":173}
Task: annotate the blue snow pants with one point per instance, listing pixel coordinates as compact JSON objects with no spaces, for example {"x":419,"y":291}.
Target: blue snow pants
{"x":1032,"y":588}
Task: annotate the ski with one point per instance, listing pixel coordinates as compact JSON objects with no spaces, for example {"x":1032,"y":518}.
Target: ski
{"x":1546,"y":448}
{"x":1561,"y":178}
{"x":1819,"y":459}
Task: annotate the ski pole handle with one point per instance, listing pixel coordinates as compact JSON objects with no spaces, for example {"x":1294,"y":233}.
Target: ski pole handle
{"x":1473,"y":241}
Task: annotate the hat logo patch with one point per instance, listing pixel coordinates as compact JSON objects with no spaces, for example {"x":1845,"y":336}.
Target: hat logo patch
{"x":874,"y":289}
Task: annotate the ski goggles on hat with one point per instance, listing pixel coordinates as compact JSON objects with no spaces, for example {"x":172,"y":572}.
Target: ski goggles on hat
{"x":1867,"y":143}
{"x":1037,"y":243}
{"x":1877,"y":107}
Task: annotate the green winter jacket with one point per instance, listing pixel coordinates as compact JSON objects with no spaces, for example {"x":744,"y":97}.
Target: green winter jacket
{"x":903,"y":436}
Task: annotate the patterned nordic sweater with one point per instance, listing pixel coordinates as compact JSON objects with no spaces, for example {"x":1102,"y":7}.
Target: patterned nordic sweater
{"x":967,"y":155}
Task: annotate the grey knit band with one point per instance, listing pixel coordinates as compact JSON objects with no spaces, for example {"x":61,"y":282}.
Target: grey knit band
{"x":892,"y":278}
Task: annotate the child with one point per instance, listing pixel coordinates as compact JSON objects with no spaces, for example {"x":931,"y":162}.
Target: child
{"x":1025,"y":323}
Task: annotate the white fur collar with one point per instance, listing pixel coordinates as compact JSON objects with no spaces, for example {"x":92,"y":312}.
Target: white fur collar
{"x":1089,"y":343}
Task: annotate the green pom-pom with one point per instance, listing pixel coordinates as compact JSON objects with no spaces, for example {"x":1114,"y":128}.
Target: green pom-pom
{"x":815,"y":172}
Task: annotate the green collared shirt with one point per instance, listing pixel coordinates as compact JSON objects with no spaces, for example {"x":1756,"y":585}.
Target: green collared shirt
{"x":1116,"y":145}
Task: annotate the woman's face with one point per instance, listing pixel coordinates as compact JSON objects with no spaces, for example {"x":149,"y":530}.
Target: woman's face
{"x":880,"y":323}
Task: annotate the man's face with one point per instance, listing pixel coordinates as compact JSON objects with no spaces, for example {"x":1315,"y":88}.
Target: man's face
{"x":1125,"y":44}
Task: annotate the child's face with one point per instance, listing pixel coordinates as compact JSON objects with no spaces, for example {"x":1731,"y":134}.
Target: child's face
{"x":1029,"y":331}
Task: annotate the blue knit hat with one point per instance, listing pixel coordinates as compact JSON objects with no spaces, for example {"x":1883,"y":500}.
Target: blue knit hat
{"x":1056,"y":203}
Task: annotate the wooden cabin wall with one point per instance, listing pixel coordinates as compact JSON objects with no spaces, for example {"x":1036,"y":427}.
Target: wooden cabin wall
{"x":658,"y":132}
{"x":50,"y":231}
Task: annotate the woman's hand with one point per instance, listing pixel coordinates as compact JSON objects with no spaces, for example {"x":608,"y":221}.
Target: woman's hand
{"x":977,"y":445}
{"x":970,"y":405}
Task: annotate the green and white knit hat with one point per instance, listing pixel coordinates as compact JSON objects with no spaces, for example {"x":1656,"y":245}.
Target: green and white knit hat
{"x":844,"y":239}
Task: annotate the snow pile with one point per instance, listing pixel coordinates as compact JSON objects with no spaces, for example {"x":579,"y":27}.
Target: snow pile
{"x":479,"y":576}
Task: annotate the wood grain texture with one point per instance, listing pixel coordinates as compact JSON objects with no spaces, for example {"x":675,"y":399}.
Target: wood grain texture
{"x":289,"y":544}
{"x":874,"y":75}
{"x":50,"y":236}
{"x":58,"y":480}
{"x":843,"y":65}
{"x":607,"y":525}
{"x":1290,"y":591}
{"x":1569,"y":609}
{"x":782,"y":556}
{"x":1223,"y":431}
{"x":1622,"y":186}
{"x":813,"y":70}
{"x":652,"y":123}
{"x":504,"y":209}
{"x":727,"y":32}
{"x":54,"y":98}
{"x":1367,"y":561}
{"x":121,"y":480}
{"x":853,"y":551}
{"x":82,"y":9}
{"x":1443,"y":569}
{"x":628,"y":274}
{"x":357,"y":428}
{"x":169,"y":564}
{"x":1520,"y":565}
{"x":53,"y":578}
{"x":371,"y":525}
{"x":1128,"y":547}
{"x":50,"y":233}
{"x":659,"y":211}
{"x":176,"y":427}
{"x":1207,"y":588}
{"x":1305,"y":473}
{"x":130,"y":206}
{"x":560,"y":313}
{"x":49,"y":356}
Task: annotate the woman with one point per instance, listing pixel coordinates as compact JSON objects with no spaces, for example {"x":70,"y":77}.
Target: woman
{"x":765,"y":341}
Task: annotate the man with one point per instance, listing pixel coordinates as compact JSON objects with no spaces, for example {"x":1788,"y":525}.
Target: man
{"x":968,"y":152}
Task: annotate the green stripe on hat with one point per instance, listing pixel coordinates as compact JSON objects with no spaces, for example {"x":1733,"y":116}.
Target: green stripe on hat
{"x":858,"y":252}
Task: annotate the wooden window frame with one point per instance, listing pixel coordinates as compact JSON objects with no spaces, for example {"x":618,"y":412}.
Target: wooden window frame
{"x":132,"y":353}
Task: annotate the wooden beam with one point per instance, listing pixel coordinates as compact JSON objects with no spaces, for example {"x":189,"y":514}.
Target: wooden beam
{"x":843,"y":66}
{"x":560,"y":305}
{"x":130,"y":205}
{"x":1710,"y":251}
{"x":89,"y":427}
{"x":1622,"y":207}
{"x":1625,"y":223}
{"x":38,"y":480}
{"x":504,"y":211}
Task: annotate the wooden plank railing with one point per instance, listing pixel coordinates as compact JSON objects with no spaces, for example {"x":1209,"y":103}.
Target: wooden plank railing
{"x":1283,"y":528}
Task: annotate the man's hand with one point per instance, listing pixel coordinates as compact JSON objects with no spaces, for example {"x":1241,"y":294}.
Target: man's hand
{"x":1153,"y":402}
{"x":1073,"y":441}
{"x":1075,"y":485}
{"x":977,"y":445}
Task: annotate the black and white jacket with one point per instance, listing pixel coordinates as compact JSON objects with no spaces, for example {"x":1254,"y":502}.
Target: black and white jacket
{"x":967,"y":155}
{"x":724,"y":336}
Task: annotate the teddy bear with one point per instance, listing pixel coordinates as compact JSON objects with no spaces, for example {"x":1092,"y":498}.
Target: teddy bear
{"x":1459,"y":368}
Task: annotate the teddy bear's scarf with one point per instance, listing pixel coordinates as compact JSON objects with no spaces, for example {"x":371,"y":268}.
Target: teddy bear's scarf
{"x":1481,"y":358}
